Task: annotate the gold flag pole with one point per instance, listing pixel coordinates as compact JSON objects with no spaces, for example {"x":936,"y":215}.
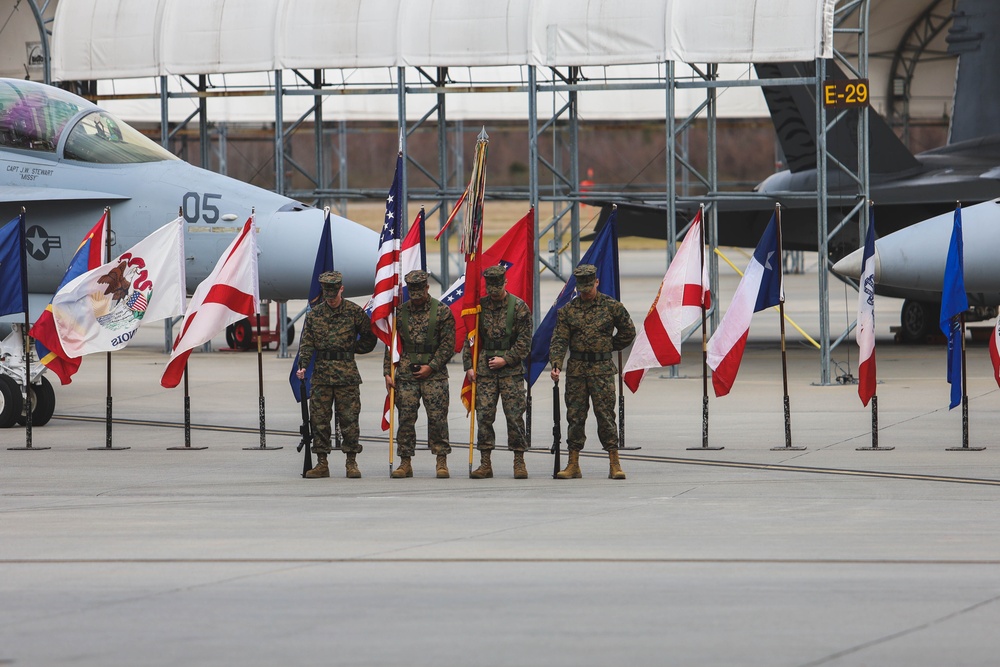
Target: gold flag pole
{"x":392,"y":390}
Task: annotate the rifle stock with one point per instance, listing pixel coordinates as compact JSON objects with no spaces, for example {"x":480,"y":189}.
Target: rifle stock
{"x":556,"y":430}
{"x":305,"y":430}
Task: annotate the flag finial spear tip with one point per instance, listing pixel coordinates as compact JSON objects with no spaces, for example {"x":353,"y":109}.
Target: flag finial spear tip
{"x":482,"y":135}
{"x":614,"y":207}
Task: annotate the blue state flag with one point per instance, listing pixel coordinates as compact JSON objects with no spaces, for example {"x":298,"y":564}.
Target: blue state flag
{"x":603,"y":254}
{"x":954,"y":303}
{"x":324,"y":263}
{"x":13,"y":278}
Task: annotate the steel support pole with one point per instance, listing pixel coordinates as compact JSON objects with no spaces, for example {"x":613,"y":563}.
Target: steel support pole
{"x":574,"y":163}
{"x":279,"y":135}
{"x":713,"y":184}
{"x":671,"y":128}
{"x":404,"y":224}
{"x":533,"y":181}
{"x":204,"y":148}
{"x":443,"y":210}
{"x":822,"y":224}
{"x":43,"y":35}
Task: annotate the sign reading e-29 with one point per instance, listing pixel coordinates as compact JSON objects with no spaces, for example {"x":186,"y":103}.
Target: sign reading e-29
{"x":845,"y":93}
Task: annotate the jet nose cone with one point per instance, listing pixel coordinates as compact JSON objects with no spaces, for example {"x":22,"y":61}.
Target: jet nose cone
{"x":288,"y":241}
{"x":850,"y":266}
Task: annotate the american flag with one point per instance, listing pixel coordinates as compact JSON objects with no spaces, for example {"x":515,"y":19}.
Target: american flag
{"x":386,"y":295}
{"x":137,"y":302}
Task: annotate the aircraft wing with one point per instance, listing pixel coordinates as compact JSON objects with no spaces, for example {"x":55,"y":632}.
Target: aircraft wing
{"x":17,"y":194}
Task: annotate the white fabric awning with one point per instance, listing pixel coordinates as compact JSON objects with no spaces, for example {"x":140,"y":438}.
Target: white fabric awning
{"x":103,"y":39}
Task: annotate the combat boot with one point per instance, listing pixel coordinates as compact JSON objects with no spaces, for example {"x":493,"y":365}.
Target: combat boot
{"x":442,"y":466}
{"x":353,"y":472}
{"x":572,"y":470}
{"x":321,"y":469}
{"x":404,"y":469}
{"x":616,"y":466}
{"x":520,"y":470}
{"x":485,"y":468}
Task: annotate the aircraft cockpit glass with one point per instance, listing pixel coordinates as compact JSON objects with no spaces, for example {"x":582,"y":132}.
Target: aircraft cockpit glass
{"x":101,"y":138}
{"x":33,"y":117}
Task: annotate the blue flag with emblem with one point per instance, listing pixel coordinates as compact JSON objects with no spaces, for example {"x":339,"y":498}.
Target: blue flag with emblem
{"x":13,"y":278}
{"x":324,"y":263}
{"x":603,"y":254}
{"x":954,"y":303}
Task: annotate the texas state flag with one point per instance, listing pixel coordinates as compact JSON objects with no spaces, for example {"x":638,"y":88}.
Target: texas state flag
{"x":760,"y":288}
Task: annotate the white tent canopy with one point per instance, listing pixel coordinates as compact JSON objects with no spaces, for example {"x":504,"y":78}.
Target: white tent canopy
{"x":103,"y":39}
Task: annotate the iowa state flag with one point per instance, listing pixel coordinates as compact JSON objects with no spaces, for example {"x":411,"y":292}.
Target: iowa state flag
{"x":89,"y":255}
{"x":865,"y":333}
{"x":677,"y":306}
{"x":760,"y":288}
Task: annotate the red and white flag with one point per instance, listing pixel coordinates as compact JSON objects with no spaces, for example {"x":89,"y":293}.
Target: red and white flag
{"x":677,"y":306}
{"x":760,"y":288}
{"x":387,"y":267}
{"x":229,"y":294}
{"x":995,"y":351}
{"x":865,"y":333}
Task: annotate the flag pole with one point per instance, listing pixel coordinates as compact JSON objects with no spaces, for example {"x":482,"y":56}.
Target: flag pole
{"x":874,"y":399}
{"x":784,"y":357}
{"x":704,"y":342}
{"x":109,"y":407}
{"x":260,"y":371}
{"x":475,"y":382}
{"x":392,"y":389}
{"x":25,"y":338}
{"x":187,"y":394}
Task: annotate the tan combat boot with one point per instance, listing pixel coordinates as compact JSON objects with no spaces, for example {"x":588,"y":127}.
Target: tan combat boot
{"x":353,"y":472}
{"x":572,"y":470}
{"x":616,"y":466}
{"x":520,"y":470}
{"x":404,"y":469}
{"x":321,"y":469}
{"x":442,"y":466}
{"x":485,"y":469}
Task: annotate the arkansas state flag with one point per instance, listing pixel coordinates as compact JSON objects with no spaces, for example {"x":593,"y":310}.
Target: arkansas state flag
{"x":865,"y":333}
{"x":89,"y":255}
{"x":101,"y":310}
{"x":677,"y":306}
{"x":229,"y":294}
{"x":760,"y":288}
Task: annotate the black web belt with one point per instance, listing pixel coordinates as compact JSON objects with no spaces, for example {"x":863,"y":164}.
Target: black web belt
{"x":333,"y":355}
{"x":590,"y":356}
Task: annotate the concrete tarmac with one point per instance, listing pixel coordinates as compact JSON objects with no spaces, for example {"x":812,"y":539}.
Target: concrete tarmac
{"x":739,"y":556}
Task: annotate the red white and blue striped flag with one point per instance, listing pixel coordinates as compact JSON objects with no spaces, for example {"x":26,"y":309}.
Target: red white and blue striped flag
{"x":387,"y":280}
{"x":865,"y":332}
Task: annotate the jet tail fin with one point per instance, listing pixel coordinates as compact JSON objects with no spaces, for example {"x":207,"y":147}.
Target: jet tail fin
{"x":976,"y":110}
{"x":793,"y":112}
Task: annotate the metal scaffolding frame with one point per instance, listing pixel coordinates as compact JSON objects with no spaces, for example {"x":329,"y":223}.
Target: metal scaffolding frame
{"x":562,"y":126}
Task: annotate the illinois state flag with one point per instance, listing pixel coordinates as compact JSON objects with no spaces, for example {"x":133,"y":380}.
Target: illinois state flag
{"x":229,"y":294}
{"x":101,"y":310}
{"x":760,"y":288}
{"x":865,"y":333}
{"x":89,"y":255}
{"x":677,"y":306}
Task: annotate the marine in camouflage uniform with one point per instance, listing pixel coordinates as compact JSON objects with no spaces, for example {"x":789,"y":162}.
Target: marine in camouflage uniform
{"x":335,"y":330}
{"x":504,"y":343}
{"x":590,"y":327}
{"x":427,"y":329}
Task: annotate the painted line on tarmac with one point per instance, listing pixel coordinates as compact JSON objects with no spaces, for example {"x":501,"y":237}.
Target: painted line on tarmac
{"x":821,"y":471}
{"x":555,"y":561}
{"x":646,"y":458}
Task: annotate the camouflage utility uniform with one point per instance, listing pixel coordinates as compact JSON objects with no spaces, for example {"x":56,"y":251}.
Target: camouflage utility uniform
{"x":508,"y":382}
{"x":333,"y":334}
{"x":433,"y":349}
{"x":591,"y":331}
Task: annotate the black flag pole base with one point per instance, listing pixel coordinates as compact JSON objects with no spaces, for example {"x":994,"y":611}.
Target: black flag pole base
{"x":629,"y":449}
{"x":706,"y":448}
{"x":185,"y":448}
{"x":787,"y":448}
{"x":964,"y":449}
{"x":873,"y":449}
{"x":260,"y":449}
{"x":102,"y":449}
{"x":26,"y":449}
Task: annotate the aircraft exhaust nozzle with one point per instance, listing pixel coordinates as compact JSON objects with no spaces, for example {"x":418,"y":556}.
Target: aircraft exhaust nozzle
{"x":288,"y":241}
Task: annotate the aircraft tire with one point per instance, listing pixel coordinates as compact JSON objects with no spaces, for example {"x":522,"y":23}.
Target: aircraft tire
{"x":917,"y":320}
{"x":230,"y":337}
{"x":43,"y":404}
{"x":242,"y":335}
{"x":290,"y":331}
{"x":11,"y":402}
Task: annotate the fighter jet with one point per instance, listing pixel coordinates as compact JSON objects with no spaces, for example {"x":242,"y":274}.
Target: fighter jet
{"x":909,"y":264}
{"x":65,"y":159}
